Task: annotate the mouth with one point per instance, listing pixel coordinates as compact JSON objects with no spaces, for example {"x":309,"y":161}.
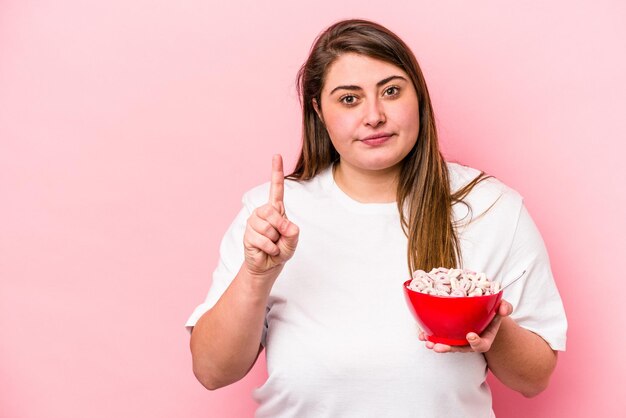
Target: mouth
{"x":377,"y":139}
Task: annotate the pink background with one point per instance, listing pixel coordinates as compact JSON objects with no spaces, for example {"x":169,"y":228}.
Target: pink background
{"x":130,"y":129}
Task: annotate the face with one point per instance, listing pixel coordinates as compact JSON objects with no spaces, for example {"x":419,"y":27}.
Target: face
{"x":370,"y":109}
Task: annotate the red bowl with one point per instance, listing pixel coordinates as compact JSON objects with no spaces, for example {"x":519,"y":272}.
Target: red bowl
{"x":448,"y":319}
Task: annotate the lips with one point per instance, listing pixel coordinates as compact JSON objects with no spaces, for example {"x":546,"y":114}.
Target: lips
{"x":377,"y":139}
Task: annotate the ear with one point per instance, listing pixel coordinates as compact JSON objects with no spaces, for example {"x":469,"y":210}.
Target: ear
{"x":317,"y":109}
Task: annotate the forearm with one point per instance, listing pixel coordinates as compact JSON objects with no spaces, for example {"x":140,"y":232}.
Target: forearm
{"x":521,"y":359}
{"x":225,"y":341}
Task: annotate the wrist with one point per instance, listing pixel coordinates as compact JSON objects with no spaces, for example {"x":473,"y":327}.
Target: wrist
{"x":503,"y":336}
{"x":259,"y":282}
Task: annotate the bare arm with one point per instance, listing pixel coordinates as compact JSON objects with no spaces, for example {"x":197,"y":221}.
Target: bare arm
{"x":225,"y":342}
{"x":519,"y":358}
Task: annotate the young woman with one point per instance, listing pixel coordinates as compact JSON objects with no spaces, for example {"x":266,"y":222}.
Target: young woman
{"x":312,"y":267}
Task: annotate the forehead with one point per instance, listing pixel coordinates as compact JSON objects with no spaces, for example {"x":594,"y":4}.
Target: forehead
{"x":359,"y":70}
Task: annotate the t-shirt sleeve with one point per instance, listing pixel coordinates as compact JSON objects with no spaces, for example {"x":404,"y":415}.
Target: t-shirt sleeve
{"x":231,"y":257}
{"x":537,"y":305}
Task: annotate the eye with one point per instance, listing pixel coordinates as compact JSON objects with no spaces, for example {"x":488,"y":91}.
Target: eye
{"x":391,"y":91}
{"x":348,"y":99}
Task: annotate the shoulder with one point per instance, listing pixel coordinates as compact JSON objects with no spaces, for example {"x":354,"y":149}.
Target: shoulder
{"x":461,"y":175}
{"x":488,"y":193}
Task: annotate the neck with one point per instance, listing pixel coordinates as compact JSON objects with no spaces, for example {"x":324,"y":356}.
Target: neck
{"x":367,"y":186}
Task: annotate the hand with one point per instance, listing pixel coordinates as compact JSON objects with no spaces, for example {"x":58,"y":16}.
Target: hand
{"x":476,"y":343}
{"x":270,"y":238}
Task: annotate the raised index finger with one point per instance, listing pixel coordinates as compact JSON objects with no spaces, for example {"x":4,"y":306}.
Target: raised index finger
{"x":277,"y":185}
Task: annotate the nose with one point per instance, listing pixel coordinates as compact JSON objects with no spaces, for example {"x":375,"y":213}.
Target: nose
{"x":374,"y":114}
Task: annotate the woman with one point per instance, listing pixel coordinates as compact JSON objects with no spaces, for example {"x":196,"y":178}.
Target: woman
{"x":314,"y":272}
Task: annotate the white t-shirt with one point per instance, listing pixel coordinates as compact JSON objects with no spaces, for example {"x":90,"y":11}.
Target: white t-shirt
{"x":340,"y":339}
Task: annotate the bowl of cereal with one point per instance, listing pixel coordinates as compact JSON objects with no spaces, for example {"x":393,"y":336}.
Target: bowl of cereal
{"x":449,"y":303}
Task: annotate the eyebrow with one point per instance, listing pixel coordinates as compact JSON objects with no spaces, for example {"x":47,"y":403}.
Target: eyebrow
{"x":380,"y":83}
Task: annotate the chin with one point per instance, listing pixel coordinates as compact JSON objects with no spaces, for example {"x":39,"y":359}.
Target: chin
{"x":380,"y":164}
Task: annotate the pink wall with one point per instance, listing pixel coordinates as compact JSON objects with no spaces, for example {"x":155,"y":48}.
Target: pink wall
{"x":129,"y":130}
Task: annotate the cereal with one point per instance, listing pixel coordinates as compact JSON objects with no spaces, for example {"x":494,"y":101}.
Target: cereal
{"x":453,"y":282}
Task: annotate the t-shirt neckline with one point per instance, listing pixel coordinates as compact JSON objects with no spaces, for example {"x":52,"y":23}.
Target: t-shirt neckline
{"x":354,"y":205}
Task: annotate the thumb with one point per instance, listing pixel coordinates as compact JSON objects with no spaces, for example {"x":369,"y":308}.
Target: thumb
{"x":505,"y":308}
{"x":289,"y":234}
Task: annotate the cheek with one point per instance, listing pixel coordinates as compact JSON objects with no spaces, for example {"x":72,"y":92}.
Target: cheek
{"x":340,"y":127}
{"x":407,"y":117}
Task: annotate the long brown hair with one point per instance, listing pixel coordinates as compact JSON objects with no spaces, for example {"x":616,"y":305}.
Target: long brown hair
{"x":423,"y":195}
